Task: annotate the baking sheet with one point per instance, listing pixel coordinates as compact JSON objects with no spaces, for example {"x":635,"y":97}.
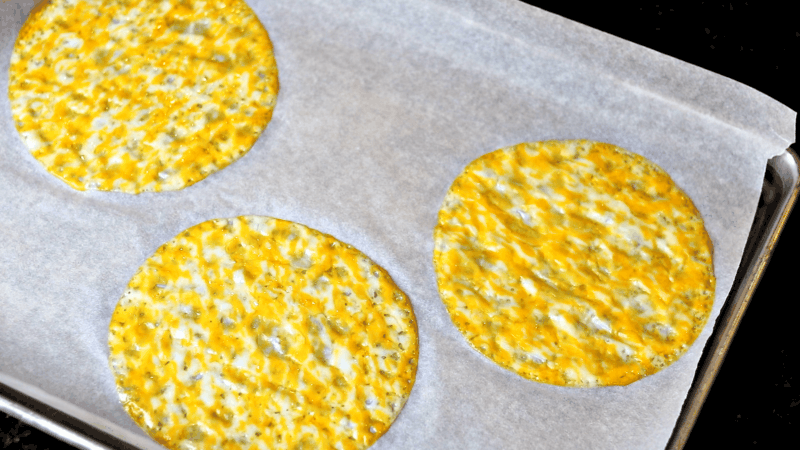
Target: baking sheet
{"x":382,"y":103}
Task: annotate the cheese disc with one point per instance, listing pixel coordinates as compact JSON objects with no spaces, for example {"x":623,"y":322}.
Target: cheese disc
{"x":139,"y":95}
{"x":258,"y":333}
{"x":573,"y":263}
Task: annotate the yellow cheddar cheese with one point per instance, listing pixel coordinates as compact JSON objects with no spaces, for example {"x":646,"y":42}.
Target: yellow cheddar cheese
{"x":258,"y":333}
{"x":139,"y":95}
{"x":573,"y":263}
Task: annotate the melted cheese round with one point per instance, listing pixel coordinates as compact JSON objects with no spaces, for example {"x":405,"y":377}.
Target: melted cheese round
{"x":573,"y":263}
{"x":259,"y":333}
{"x":139,"y":95}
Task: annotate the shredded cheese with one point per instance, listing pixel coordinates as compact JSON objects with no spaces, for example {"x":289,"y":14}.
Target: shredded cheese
{"x":141,"y":95}
{"x":259,"y":333}
{"x":573,"y":263}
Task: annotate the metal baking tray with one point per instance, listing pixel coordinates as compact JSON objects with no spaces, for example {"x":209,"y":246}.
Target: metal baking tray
{"x":778,"y":195}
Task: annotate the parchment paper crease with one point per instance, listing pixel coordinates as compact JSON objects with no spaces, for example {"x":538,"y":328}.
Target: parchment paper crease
{"x":382,"y":103}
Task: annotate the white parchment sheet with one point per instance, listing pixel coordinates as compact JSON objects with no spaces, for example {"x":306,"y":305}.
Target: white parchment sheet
{"x":382,"y":103}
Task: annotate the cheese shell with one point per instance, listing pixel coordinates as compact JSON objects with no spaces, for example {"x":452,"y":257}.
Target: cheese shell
{"x":138,"y":95}
{"x":255,"y":332}
{"x":573,"y":263}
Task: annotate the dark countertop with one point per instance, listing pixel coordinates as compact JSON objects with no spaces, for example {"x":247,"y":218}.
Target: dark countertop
{"x":755,"y":400}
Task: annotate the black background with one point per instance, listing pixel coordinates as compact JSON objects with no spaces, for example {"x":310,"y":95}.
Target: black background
{"x":755,"y":400}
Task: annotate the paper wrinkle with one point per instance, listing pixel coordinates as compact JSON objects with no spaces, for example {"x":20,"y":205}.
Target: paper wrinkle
{"x":382,"y":104}
{"x":677,"y":104}
{"x":724,"y":91}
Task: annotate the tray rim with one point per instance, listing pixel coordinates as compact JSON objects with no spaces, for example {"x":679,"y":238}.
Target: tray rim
{"x":756,"y":256}
{"x":55,"y":422}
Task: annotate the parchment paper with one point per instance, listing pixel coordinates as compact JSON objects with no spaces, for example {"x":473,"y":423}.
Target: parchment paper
{"x":382,"y":104}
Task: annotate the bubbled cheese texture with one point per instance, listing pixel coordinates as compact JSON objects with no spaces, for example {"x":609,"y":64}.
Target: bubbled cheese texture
{"x":259,"y":333}
{"x":573,"y":263}
{"x":141,"y":95}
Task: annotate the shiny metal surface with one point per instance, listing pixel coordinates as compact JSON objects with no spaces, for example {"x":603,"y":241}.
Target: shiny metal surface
{"x":56,"y":423}
{"x":778,"y":197}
